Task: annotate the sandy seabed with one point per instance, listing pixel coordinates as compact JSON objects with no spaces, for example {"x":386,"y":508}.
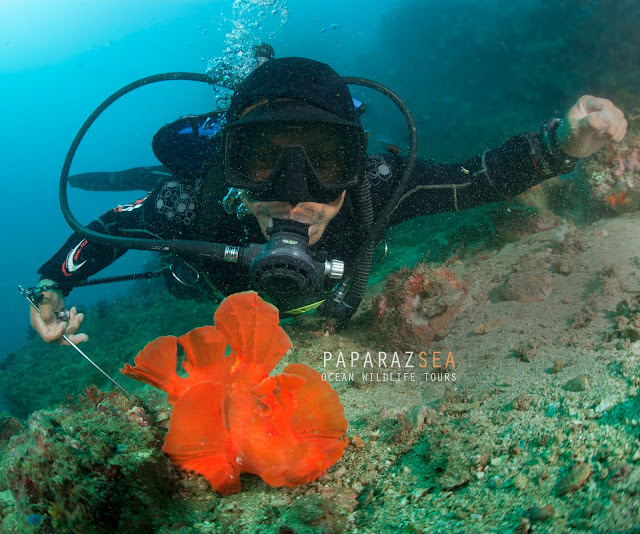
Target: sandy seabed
{"x":531,"y":426}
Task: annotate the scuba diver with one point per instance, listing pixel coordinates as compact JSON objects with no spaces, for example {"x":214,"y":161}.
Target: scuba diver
{"x":289,"y":179}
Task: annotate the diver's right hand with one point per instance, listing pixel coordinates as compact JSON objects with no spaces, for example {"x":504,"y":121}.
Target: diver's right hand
{"x":51,"y":328}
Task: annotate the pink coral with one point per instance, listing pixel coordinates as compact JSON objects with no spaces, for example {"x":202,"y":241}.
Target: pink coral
{"x":419,"y":305}
{"x":614,"y":175}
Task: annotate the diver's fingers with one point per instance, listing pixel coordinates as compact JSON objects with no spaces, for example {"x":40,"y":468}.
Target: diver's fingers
{"x":49,"y":330}
{"x":75,"y":338}
{"x":72,"y":327}
{"x":75,"y":320}
{"x":589,"y":104}
{"x":596,"y":123}
{"x":621,"y":131}
{"x":601,"y":115}
{"x":609,"y":124}
{"x":50,"y":333}
{"x":603,"y":106}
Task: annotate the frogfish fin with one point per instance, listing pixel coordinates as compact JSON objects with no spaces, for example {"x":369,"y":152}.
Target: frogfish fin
{"x":156,"y":365}
{"x":199,"y":440}
{"x":290,"y":428}
{"x":307,"y":462}
{"x":319,"y":414}
{"x":251,"y":327}
{"x":205,"y":348}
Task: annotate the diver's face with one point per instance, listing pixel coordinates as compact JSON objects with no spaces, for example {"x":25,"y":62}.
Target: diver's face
{"x":317,"y":215}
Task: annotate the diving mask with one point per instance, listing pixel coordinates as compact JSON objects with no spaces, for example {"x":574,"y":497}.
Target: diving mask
{"x":294,"y":160}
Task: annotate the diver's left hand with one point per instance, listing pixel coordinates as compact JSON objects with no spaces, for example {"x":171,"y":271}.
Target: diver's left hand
{"x":589,"y":124}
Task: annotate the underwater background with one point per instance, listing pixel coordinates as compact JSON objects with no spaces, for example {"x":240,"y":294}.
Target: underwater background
{"x":539,"y":433}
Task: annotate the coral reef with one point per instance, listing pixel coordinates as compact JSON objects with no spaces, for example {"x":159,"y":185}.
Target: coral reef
{"x":418,"y":305}
{"x":627,"y":319}
{"x":229,"y":415}
{"x":613,"y":175}
{"x":91,"y":466}
{"x":9,"y":427}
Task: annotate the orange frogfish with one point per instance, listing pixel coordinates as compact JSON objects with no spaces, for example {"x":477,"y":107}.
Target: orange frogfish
{"x":229,"y":416}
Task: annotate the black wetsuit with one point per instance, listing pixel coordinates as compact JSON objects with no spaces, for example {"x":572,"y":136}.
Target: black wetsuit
{"x":174,"y":209}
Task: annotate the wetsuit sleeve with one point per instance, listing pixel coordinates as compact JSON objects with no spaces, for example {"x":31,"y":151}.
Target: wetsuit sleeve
{"x":498,"y":174}
{"x":168,"y":212}
{"x":79,"y":258}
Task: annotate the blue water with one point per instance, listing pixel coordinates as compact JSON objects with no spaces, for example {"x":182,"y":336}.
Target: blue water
{"x":458,"y":64}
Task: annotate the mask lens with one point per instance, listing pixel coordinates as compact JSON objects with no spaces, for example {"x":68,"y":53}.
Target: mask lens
{"x":335,"y":156}
{"x":248,"y":159}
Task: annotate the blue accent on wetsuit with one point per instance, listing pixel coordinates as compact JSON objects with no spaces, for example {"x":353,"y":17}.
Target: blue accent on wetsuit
{"x":208,"y":128}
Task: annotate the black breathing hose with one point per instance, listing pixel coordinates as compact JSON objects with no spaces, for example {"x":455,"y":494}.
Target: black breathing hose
{"x":115,"y":241}
{"x":345,"y":302}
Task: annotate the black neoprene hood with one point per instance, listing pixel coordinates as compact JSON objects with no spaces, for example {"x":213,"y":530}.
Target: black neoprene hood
{"x":298,"y":79}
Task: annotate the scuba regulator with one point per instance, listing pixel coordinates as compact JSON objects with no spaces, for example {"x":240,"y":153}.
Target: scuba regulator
{"x":288,"y":272}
